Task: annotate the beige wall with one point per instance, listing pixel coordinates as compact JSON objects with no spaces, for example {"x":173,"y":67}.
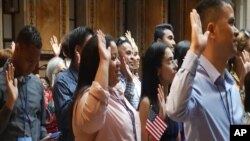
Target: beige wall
{"x":248,"y":14}
{"x":242,"y":14}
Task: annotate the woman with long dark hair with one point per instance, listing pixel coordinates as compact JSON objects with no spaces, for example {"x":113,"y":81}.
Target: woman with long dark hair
{"x":100,"y":111}
{"x":158,"y":71}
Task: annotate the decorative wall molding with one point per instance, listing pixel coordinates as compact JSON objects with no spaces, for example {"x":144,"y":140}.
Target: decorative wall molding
{"x":64,"y":18}
{"x":29,"y":15}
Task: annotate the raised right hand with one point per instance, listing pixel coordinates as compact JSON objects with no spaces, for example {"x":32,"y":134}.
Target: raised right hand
{"x":126,"y":70}
{"x":12,"y":89}
{"x":55,"y":46}
{"x":104,"y":53}
{"x":130,"y":38}
{"x":198,"y":39}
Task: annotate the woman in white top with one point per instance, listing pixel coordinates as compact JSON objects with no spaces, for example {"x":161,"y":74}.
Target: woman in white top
{"x":100,"y":111}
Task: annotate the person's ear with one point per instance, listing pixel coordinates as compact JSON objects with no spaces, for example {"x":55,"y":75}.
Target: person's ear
{"x":211,"y":29}
{"x":77,"y":50}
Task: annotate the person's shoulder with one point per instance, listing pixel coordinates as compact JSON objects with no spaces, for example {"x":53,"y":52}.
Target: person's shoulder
{"x":35,"y":80}
{"x":145,"y":101}
{"x":62,"y":76}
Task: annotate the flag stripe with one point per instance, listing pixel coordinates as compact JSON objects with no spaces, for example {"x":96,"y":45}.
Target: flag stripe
{"x":152,"y":134}
{"x":162,"y":122}
{"x":155,"y":126}
{"x":159,"y":126}
{"x":154,"y":129}
{"x":159,"y":123}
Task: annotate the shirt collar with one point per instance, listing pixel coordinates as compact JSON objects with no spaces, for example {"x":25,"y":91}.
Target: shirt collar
{"x":212,"y":72}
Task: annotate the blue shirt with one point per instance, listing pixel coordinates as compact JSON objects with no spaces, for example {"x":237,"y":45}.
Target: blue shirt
{"x":129,"y":90}
{"x":204,"y":100}
{"x":28,"y":115}
{"x":63,"y":91}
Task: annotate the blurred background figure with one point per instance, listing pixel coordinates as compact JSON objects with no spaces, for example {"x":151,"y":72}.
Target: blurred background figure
{"x":5,"y":54}
{"x":181,"y":49}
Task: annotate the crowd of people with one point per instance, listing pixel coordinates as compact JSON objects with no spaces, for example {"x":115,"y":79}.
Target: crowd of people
{"x":93,"y":89}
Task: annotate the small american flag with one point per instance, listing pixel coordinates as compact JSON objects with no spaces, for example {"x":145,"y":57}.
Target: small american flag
{"x":155,"y":126}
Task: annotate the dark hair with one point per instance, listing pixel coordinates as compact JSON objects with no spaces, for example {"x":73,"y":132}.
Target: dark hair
{"x":209,"y":10}
{"x":150,"y":64}
{"x":46,"y":79}
{"x":90,"y":61}
{"x":109,"y":39}
{"x":158,"y":34}
{"x":29,"y":35}
{"x":247,"y":92}
{"x":65,"y":47}
{"x":78,"y":37}
{"x":180,"y":51}
{"x":122,"y":39}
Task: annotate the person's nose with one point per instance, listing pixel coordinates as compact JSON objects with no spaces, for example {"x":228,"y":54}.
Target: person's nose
{"x":236,"y":31}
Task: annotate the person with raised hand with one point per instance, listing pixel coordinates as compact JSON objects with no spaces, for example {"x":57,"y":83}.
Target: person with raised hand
{"x":134,"y":68}
{"x":101,"y":112}
{"x":203,"y":93}
{"x":66,"y":81}
{"x":158,"y":71}
{"x":22,"y":112}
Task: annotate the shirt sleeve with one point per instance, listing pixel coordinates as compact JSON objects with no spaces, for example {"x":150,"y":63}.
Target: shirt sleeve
{"x":63,"y":100}
{"x":130,"y":93}
{"x":43,"y":131}
{"x":4,"y":118}
{"x":90,"y":109}
{"x":179,"y":101}
{"x":5,"y":112}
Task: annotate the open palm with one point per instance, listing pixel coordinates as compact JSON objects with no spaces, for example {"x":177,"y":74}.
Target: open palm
{"x":198,"y":39}
{"x":11,"y":83}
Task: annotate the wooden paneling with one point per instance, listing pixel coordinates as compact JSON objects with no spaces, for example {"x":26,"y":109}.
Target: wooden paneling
{"x":142,"y":17}
{"x":154,"y":14}
{"x":179,"y":17}
{"x":106,"y":15}
{"x":50,"y":17}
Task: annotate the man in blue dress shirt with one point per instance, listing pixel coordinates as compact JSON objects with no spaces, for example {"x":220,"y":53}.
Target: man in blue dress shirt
{"x":203,"y":94}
